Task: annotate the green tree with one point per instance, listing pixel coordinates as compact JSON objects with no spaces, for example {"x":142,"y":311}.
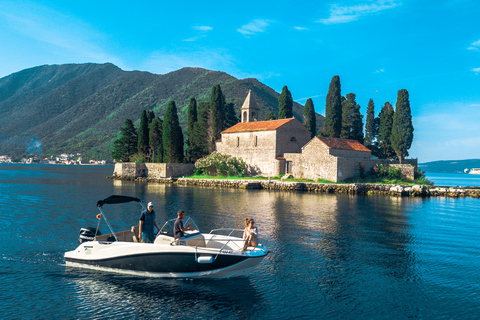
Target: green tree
{"x":217,"y":107}
{"x":230,"y":118}
{"x":125,"y":146}
{"x":333,"y":110}
{"x":371,"y":128}
{"x":270,"y":116}
{"x":352,"y":125}
{"x":191,"y":120}
{"x":309,"y":116}
{"x":156,"y":142}
{"x":201,"y":133}
{"x":143,"y":143}
{"x":285,"y":104}
{"x":172,"y":136}
{"x":385,"y":124}
{"x":402,"y":128}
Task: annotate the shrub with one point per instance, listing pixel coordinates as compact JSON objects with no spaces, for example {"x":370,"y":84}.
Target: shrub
{"x":217,"y":164}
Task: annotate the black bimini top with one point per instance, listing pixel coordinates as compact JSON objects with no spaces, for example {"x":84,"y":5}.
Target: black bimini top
{"x":116,"y":199}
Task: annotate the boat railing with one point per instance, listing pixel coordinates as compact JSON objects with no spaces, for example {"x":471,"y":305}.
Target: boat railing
{"x":229,"y":232}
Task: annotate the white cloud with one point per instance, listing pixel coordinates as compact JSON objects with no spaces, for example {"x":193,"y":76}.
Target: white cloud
{"x":344,"y":14}
{"x":379,"y":71}
{"x":300,"y":28}
{"x":476,"y":70}
{"x":474,"y":45}
{"x":202,"y":28}
{"x":254,"y":27}
{"x":194,"y":38}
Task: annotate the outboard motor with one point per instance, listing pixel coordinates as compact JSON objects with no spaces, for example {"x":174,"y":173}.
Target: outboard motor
{"x":87,"y":234}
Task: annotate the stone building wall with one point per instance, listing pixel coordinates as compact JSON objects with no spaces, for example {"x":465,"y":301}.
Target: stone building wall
{"x":317,"y":161}
{"x":291,"y":137}
{"x":256,"y":148}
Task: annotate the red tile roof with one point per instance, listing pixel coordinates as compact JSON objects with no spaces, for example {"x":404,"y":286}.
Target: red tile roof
{"x":343,"y":144}
{"x":257,"y":126}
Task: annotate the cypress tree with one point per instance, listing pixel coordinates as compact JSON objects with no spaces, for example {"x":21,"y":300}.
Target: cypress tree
{"x":285,"y":104}
{"x":230,"y":118}
{"x":352,"y":125}
{"x":385,"y":123}
{"x":143,"y":143}
{"x":310,"y":119}
{"x":333,"y":110}
{"x":172,"y":136}
{"x":191,"y":120}
{"x":125,"y":146}
{"x":201,"y":133}
{"x":402,"y":128}
{"x":156,"y":142}
{"x":217,"y":107}
{"x":371,"y":127}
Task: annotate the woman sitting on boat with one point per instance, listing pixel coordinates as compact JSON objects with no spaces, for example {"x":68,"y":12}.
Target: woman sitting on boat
{"x":250,"y":234}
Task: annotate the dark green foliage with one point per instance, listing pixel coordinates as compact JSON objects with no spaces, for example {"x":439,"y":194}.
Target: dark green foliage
{"x":172,"y":136}
{"x":217,"y":107}
{"x":333,"y":110}
{"x":385,"y":124}
{"x":270,"y":116}
{"x":125,"y":146}
{"x":285,"y":104}
{"x":201,"y":133}
{"x":352,"y":125}
{"x":230,"y":118}
{"x":309,"y":116}
{"x":156,"y":140}
{"x":143,"y":144}
{"x":402,"y":128}
{"x":191,"y":121}
{"x":371,"y":128}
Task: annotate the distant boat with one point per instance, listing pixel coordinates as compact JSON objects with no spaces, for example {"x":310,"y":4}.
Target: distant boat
{"x":474,"y":171}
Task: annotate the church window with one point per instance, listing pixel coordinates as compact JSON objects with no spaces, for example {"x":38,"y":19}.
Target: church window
{"x":238,"y":142}
{"x":256,"y":141}
{"x":293,"y":139}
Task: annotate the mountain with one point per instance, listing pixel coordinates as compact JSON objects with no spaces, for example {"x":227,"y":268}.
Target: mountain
{"x":449,"y":166}
{"x":80,"y":108}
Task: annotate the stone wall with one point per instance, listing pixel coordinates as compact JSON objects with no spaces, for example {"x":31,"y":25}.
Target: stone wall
{"x":152,"y":170}
{"x":257,"y":149}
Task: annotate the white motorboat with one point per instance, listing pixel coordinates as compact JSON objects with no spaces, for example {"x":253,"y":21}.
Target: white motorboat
{"x":201,"y":255}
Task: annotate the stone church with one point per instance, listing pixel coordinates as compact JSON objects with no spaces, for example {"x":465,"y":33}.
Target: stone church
{"x":285,"y":146}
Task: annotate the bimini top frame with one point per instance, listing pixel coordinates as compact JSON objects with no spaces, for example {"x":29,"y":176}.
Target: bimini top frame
{"x":114,"y":199}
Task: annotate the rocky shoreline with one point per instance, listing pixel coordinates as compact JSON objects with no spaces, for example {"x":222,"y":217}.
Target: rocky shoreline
{"x":353,"y":188}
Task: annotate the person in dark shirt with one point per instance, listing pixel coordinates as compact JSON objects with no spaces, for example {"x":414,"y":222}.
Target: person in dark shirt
{"x":178,"y":229}
{"x":146,"y":224}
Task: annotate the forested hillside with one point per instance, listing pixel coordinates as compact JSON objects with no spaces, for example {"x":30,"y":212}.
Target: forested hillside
{"x":81,"y":107}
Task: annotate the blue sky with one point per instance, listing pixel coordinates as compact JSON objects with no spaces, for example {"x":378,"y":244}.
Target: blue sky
{"x":430,"y":48}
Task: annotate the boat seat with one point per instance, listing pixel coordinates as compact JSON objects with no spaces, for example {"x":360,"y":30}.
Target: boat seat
{"x":125,"y":236}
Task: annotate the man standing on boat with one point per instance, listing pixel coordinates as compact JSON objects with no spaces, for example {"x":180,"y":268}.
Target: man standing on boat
{"x":178,"y":229}
{"x":146,"y":224}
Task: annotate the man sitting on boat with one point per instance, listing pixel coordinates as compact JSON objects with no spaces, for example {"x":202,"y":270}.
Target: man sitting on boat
{"x":178,"y":229}
{"x":146,"y":224}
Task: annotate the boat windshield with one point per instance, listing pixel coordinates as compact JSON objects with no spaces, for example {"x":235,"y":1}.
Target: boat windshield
{"x":168,"y":226}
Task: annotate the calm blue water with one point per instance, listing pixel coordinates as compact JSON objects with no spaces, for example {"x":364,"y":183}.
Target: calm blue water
{"x":453,"y":179}
{"x":332,"y":256}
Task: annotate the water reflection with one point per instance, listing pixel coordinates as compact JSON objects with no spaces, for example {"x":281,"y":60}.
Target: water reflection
{"x":164,"y":298}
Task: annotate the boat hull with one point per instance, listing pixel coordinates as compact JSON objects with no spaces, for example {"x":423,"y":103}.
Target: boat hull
{"x":163,"y":260}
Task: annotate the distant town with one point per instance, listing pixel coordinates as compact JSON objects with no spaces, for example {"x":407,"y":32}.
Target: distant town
{"x":64,"y":158}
